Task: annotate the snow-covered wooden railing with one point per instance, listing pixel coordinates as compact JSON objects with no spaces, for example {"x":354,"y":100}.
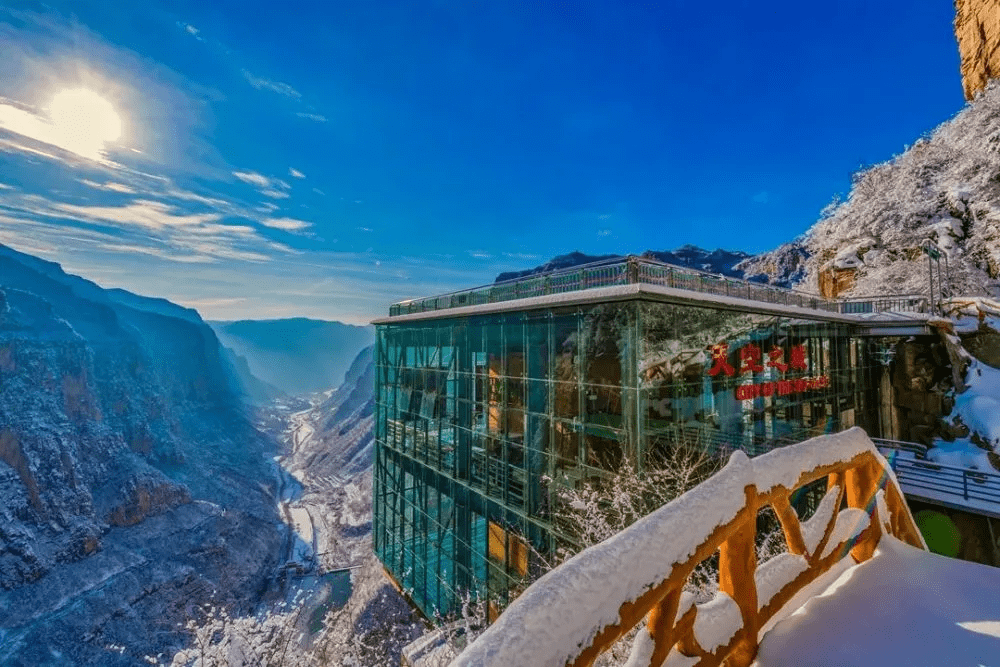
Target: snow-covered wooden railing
{"x":579,"y":610}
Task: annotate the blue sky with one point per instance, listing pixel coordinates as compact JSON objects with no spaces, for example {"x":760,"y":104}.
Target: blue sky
{"x":328,"y":158}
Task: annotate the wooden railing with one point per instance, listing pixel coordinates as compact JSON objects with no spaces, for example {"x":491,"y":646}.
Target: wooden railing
{"x":551,"y":624}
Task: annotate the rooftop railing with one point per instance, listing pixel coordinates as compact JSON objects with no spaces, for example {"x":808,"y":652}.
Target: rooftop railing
{"x":641,"y":270}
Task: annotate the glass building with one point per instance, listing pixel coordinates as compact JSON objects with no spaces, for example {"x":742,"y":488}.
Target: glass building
{"x":483,"y":410}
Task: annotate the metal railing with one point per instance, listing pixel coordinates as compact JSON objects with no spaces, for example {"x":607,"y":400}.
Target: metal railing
{"x":897,"y":303}
{"x":633,"y":270}
{"x":977,"y":490}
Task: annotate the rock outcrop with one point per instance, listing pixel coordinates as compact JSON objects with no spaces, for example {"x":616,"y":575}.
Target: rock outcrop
{"x":977,"y":28}
{"x":132,"y":485}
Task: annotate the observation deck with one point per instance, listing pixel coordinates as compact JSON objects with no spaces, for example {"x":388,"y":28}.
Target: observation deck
{"x":640,"y":277}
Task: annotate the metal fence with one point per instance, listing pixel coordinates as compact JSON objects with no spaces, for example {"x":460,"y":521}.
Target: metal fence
{"x":635,"y":270}
{"x":975,"y":490}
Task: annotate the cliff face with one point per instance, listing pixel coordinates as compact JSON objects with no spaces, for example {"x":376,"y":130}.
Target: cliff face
{"x":977,"y":27}
{"x":132,"y":486}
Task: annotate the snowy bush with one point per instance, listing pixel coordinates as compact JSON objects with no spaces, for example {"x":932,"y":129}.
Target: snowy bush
{"x":370,"y":630}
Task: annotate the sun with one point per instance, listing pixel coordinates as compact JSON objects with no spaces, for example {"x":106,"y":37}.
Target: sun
{"x":85,"y":120}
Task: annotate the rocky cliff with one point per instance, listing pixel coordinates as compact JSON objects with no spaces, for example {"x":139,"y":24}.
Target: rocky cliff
{"x":132,"y":485}
{"x":977,"y":27}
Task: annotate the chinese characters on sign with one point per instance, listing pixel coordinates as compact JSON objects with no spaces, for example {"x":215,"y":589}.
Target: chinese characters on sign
{"x":752,"y":360}
{"x":781,"y":387}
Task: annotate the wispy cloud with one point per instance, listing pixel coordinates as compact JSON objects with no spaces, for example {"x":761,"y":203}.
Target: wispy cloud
{"x":762,"y":197}
{"x":286,"y":224}
{"x":319,"y":118}
{"x":253,"y":178}
{"x":275,"y":188}
{"x":142,"y":226}
{"x":109,"y":186}
{"x":191,"y":30}
{"x":278,"y":87}
{"x":274,"y":194}
{"x":295,"y":173}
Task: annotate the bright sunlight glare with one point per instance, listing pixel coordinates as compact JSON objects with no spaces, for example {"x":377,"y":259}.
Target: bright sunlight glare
{"x":85,"y":120}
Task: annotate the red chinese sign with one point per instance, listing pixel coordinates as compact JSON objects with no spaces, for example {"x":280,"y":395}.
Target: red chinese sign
{"x":781,"y":387}
{"x":751,"y":359}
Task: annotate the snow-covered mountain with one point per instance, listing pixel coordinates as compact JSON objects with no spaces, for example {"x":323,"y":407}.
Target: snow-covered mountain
{"x":714,"y":261}
{"x":945,"y":187}
{"x":132,"y":485}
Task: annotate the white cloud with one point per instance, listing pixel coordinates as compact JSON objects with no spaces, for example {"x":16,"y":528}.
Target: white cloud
{"x":142,"y":227}
{"x":311,"y":116}
{"x":191,"y":30}
{"x":109,"y":186}
{"x":295,"y":173}
{"x":253,"y":178}
{"x":261,"y":83}
{"x":37,"y":128}
{"x":275,"y":188}
{"x":144,"y":213}
{"x":319,"y":192}
{"x":286,"y":224}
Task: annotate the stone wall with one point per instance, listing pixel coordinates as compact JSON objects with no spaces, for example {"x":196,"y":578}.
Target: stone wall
{"x":977,"y":28}
{"x":921,"y":395}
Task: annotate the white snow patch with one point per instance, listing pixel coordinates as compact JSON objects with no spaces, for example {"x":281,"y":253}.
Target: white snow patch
{"x":775,"y":574}
{"x":850,"y":523}
{"x":676,"y":659}
{"x":686,"y":602}
{"x":717,"y":621}
{"x":642,"y":650}
{"x":902,"y":607}
{"x":815,"y":526}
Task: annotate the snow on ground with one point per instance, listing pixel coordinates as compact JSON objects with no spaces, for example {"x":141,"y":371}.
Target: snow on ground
{"x":979,"y":405}
{"x":902,"y":608}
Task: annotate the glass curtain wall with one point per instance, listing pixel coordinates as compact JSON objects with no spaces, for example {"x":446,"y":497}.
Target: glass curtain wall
{"x":480,"y":419}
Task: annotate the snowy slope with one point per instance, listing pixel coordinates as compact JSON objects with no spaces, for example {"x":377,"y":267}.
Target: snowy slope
{"x":944,"y":188}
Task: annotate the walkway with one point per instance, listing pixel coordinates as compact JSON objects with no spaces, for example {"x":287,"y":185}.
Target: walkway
{"x":921,"y":479}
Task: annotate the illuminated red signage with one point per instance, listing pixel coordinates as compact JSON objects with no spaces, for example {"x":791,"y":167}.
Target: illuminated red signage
{"x":751,"y":359}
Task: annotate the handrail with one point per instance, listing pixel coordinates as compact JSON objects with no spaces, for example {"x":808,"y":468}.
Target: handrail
{"x":631,"y":269}
{"x":615,"y":271}
{"x":941,"y":481}
{"x":640,"y":573}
